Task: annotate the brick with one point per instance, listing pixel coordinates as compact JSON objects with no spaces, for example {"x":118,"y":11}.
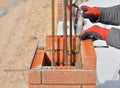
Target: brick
{"x":60,"y":12}
{"x":54,"y":86}
{"x":88,"y":86}
{"x":59,"y":57}
{"x":34,"y":77}
{"x":59,"y":42}
{"x":49,"y":42}
{"x":59,"y":17}
{"x":88,"y":55}
{"x":59,"y":46}
{"x":73,"y":42}
{"x":63,"y":67}
{"x":38,"y":59}
{"x":68,"y":77}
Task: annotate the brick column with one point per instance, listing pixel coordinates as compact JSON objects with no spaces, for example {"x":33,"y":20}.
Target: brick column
{"x":63,"y":76}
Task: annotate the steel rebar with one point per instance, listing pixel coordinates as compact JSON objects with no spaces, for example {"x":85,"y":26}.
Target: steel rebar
{"x":71,"y":32}
{"x":53,"y":28}
{"x":80,"y":23}
{"x":65,"y":31}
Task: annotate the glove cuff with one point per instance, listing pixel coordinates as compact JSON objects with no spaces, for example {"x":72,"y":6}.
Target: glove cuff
{"x":106,"y":31}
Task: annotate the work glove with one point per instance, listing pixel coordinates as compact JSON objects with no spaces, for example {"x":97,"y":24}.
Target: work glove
{"x":95,"y":33}
{"x":92,"y":13}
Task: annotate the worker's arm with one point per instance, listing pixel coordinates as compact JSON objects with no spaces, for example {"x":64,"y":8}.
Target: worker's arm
{"x":109,"y":15}
{"x":111,"y":36}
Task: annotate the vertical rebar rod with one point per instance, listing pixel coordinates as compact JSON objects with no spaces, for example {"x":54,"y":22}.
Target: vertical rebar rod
{"x":80,"y":23}
{"x":53,"y":28}
{"x":71,"y":32}
{"x":65,"y":31}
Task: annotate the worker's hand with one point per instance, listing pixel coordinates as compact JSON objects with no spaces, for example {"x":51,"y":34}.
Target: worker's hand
{"x":95,"y":32}
{"x":92,"y":13}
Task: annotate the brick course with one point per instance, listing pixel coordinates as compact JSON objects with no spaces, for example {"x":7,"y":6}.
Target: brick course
{"x":88,"y":86}
{"x":54,"y":86}
{"x":68,"y":77}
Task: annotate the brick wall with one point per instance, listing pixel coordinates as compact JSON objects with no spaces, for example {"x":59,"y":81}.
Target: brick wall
{"x":62,"y":79}
{"x":64,"y":76}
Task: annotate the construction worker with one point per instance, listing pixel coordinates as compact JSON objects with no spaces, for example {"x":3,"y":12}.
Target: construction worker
{"x":109,"y":15}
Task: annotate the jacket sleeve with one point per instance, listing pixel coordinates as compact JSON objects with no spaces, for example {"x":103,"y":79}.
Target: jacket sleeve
{"x":113,"y":38}
{"x":110,"y":15}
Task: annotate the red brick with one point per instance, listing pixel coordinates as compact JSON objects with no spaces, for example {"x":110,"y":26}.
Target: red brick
{"x":60,"y":12}
{"x":49,"y":42}
{"x":59,"y":42}
{"x":54,"y":86}
{"x":59,"y":56}
{"x":88,"y":55}
{"x":73,"y":42}
{"x":68,"y":77}
{"x":38,"y":59}
{"x":63,"y":67}
{"x":34,"y":77}
{"x":88,"y":86}
{"x":59,"y":45}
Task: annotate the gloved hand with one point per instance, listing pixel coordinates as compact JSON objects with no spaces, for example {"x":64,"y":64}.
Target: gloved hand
{"x":92,"y":13}
{"x":95,"y":32}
